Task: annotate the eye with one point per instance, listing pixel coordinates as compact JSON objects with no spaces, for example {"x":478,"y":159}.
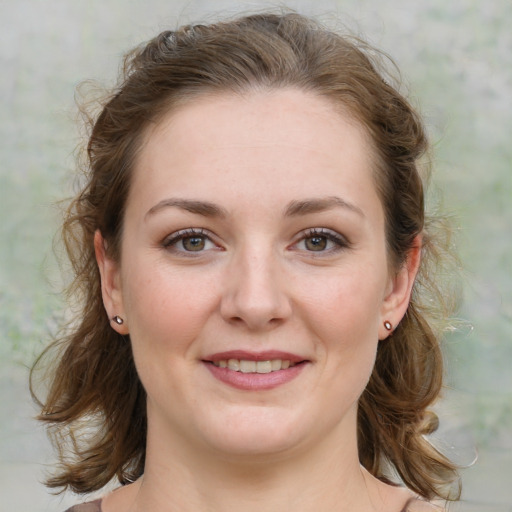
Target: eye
{"x":321,"y":240}
{"x":316,"y":243}
{"x":189,"y":240}
{"x":193,"y":243}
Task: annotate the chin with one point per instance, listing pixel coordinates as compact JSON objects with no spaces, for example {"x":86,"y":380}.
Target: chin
{"x":254,"y":431}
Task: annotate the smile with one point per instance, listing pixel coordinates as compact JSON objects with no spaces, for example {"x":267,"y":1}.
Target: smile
{"x":247,"y":366}
{"x":255,"y":371}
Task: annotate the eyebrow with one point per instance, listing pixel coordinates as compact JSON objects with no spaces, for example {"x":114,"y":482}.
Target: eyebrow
{"x":294,"y":208}
{"x":316,"y":205}
{"x":204,"y":208}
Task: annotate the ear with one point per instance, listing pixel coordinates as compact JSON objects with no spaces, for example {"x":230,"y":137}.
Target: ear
{"x":399,"y":291}
{"x":110,"y":284}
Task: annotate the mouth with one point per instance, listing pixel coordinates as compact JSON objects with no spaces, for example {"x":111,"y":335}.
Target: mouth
{"x":251,"y":366}
{"x":253,"y":371}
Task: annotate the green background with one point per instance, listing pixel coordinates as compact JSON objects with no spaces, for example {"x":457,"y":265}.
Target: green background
{"x":456,"y":58}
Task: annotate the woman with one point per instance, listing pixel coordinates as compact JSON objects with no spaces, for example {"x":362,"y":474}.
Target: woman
{"x":248,"y":250}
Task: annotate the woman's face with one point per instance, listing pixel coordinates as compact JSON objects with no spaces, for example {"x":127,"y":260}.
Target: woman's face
{"x":253,"y":279}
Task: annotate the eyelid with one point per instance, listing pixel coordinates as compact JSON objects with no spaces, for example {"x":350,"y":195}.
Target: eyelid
{"x":340,"y":240}
{"x":170,"y":241}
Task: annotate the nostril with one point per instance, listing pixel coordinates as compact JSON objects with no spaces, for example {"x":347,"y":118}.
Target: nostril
{"x":255,"y":298}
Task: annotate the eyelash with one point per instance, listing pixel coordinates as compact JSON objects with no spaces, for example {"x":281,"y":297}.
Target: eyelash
{"x":341,"y":243}
{"x":171,"y":241}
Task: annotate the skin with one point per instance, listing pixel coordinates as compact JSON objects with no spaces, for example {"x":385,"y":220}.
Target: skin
{"x":261,"y":280}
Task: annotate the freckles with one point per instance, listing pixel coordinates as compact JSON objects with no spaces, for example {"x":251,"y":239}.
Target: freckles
{"x":347,"y":314}
{"x":171,"y":307}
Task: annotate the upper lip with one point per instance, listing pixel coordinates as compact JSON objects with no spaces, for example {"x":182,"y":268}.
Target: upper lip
{"x":266,"y":355}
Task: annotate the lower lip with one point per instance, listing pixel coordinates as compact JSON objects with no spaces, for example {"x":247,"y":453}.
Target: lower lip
{"x":255,"y":381}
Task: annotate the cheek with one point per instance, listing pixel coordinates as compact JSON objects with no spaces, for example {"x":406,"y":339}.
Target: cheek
{"x":347,"y":304}
{"x":344,"y":314}
{"x":167,"y":312}
{"x":167,"y":309}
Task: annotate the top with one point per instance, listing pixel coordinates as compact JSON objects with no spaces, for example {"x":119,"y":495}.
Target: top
{"x":95,"y":506}
{"x":92,"y":506}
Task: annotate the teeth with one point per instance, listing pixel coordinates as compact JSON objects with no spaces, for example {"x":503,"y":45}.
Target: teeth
{"x":276,"y":364}
{"x":263,"y":366}
{"x":246,"y":366}
{"x":234,"y":364}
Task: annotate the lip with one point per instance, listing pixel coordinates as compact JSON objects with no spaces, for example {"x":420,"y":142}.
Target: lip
{"x":254,"y":356}
{"x":255,"y":381}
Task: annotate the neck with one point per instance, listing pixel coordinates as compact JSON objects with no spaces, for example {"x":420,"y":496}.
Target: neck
{"x":184,"y":478}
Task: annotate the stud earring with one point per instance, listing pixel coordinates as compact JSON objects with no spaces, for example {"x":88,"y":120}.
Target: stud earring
{"x":387,"y":325}
{"x":118,"y":320}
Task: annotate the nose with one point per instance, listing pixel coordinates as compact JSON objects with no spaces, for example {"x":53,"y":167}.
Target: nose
{"x":256,"y":295}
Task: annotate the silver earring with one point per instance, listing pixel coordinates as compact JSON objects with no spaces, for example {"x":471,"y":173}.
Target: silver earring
{"x":118,"y":320}
{"x":387,"y":325}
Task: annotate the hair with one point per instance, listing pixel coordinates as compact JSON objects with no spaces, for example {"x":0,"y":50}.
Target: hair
{"x":95,"y":408}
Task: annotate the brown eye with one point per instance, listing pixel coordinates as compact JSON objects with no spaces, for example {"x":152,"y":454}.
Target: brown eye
{"x":323,"y":241}
{"x":187,"y":241}
{"x":194,"y":243}
{"x":316,"y":243}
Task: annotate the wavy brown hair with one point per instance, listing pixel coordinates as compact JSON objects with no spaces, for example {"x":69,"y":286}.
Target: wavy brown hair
{"x":96,"y":405}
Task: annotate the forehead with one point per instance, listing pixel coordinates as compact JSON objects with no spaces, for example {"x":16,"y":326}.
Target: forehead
{"x":290,"y":139}
{"x":208,"y":116}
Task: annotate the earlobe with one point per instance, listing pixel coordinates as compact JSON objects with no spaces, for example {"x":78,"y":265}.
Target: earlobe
{"x":396,"y":302}
{"x":110,"y":284}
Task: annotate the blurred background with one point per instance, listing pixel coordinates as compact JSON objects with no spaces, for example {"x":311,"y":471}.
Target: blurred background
{"x":456,"y":57}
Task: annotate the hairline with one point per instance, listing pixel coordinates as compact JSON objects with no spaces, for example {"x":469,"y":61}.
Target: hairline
{"x":174,"y":103}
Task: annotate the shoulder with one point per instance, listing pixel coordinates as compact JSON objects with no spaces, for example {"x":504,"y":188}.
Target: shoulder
{"x":418,"y":505}
{"x":92,"y":506}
